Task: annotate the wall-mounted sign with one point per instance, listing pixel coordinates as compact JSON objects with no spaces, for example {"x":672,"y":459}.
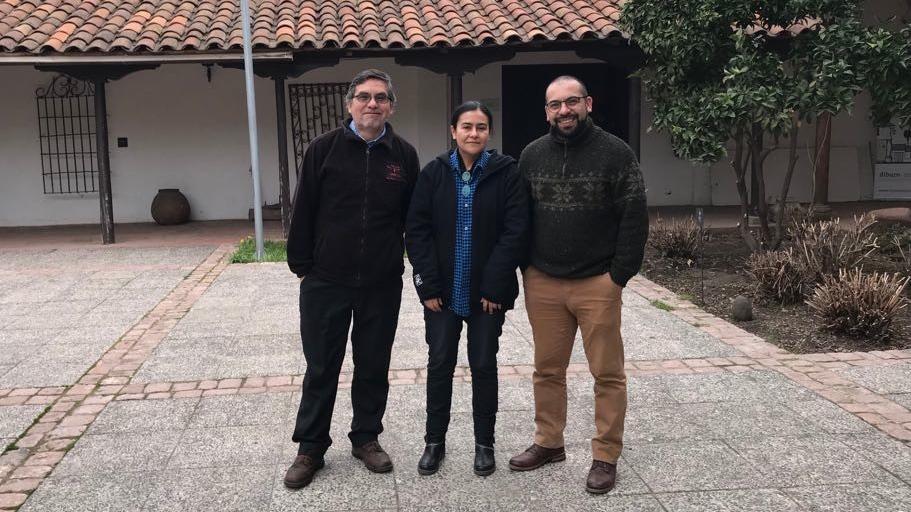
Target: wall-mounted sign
{"x":892,"y":170}
{"x":893,"y":144}
{"x":892,"y":181}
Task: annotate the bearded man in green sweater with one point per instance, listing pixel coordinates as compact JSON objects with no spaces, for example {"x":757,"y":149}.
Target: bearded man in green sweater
{"x":589,"y":227}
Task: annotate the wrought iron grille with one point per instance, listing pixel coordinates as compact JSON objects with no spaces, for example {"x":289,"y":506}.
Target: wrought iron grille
{"x":315,"y":110}
{"x":66,"y":126}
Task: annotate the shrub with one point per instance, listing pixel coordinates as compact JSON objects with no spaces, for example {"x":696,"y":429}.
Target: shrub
{"x":900,"y":246}
{"x":860,"y":305}
{"x":780,"y":275}
{"x":675,"y":239}
{"x":826,"y":247}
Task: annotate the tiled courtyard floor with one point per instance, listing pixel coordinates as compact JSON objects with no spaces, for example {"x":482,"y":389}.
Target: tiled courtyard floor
{"x":166,"y":379}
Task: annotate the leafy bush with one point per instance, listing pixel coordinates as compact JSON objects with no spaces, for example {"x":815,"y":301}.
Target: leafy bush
{"x":780,"y":275}
{"x":826,"y":247}
{"x":860,"y":305}
{"x":675,"y":239}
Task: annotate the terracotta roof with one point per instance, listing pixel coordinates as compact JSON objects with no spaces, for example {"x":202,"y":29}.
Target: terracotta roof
{"x":153,"y":26}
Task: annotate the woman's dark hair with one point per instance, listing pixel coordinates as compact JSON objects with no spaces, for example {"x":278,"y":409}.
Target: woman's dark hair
{"x":471,"y":106}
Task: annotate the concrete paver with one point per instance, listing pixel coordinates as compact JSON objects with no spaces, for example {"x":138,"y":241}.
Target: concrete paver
{"x":62,"y":309}
{"x":738,"y":437}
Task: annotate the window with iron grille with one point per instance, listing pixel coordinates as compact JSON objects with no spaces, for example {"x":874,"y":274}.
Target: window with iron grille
{"x":315,"y":110}
{"x":66,"y":126}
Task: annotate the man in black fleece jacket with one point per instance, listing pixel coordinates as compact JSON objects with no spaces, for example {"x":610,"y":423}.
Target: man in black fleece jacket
{"x":346,"y":246}
{"x":589,"y":227}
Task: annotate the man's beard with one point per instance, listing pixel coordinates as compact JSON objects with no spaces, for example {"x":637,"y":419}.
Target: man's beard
{"x":580,"y":122}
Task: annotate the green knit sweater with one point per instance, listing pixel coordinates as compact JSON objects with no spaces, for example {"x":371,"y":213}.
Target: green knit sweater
{"x":588,"y":205}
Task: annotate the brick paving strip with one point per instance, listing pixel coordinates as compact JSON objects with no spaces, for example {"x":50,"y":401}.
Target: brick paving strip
{"x":72,"y":409}
{"x":812,"y":371}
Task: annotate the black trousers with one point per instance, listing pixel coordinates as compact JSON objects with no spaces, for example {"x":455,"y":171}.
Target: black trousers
{"x":326,"y":312}
{"x":443,"y":331}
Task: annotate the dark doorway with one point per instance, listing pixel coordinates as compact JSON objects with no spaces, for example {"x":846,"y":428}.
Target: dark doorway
{"x":523,"y":100}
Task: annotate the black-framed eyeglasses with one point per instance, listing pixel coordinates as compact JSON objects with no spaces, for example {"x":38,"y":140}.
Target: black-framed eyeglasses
{"x":380,"y":99}
{"x":572,"y":101}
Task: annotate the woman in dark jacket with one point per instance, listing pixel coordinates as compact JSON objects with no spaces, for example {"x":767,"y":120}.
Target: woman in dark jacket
{"x":466,"y":234}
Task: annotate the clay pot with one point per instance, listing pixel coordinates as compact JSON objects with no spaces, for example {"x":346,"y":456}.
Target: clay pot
{"x":170,"y":207}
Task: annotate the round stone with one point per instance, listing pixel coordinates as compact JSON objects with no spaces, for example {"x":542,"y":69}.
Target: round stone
{"x":742,"y":309}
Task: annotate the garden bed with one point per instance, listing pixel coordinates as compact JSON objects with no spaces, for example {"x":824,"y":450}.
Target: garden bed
{"x":794,"y":328}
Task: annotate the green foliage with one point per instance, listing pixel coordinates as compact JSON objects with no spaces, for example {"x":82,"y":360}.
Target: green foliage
{"x":246,"y":251}
{"x":660,"y":304}
{"x":715,"y":75}
{"x":713,"y":69}
{"x":889,"y":75}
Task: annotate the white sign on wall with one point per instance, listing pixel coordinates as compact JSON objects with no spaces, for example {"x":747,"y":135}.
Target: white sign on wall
{"x":892,"y":171}
{"x":892,"y":181}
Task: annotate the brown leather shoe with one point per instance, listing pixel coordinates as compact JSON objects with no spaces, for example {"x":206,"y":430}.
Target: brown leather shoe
{"x":601,"y":477}
{"x":535,"y":457}
{"x":301,"y":472}
{"x":375,"y":458}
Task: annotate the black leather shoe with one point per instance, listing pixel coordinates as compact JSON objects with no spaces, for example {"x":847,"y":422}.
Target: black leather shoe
{"x":432,"y":459}
{"x":484,"y":463}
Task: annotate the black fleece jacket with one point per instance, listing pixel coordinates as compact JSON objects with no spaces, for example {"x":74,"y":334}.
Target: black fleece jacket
{"x":499,"y":232}
{"x":589,"y":214}
{"x":350,"y":207}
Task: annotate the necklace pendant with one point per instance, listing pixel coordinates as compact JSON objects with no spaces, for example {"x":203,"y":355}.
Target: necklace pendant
{"x":466,"y":190}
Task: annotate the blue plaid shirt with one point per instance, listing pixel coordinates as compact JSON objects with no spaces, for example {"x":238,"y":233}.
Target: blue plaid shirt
{"x":461,"y":274}
{"x":370,"y":143}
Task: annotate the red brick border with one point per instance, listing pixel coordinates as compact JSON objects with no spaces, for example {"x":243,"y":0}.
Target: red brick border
{"x":813,"y":371}
{"x":75,"y":407}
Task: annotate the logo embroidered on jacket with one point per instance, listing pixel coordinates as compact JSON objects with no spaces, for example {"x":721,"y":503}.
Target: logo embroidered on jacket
{"x":394,"y":172}
{"x":417,"y":280}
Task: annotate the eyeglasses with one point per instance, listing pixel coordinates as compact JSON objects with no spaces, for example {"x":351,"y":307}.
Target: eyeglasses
{"x":572,"y":101}
{"x":380,"y":99}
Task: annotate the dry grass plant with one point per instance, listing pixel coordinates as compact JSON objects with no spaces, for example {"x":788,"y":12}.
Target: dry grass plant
{"x":863,"y":306}
{"x":779,"y":275}
{"x":677,"y":239}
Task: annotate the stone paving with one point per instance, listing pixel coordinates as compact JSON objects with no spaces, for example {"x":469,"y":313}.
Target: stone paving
{"x":185,"y":400}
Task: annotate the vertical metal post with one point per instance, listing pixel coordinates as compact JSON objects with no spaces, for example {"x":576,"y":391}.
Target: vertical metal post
{"x":251,"y":126}
{"x":283,"y":178}
{"x":104,"y":163}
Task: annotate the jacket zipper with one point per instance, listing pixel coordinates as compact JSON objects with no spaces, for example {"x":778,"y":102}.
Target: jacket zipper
{"x":563,"y":169}
{"x":364,"y":216}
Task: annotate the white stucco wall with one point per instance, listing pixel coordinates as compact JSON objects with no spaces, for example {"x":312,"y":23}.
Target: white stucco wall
{"x":187,"y":133}
{"x":183,"y":133}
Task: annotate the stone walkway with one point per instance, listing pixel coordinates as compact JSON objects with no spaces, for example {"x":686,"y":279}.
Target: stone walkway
{"x":166,"y":379}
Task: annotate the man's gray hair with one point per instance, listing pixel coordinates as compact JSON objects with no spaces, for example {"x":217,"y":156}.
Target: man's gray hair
{"x":371,"y":74}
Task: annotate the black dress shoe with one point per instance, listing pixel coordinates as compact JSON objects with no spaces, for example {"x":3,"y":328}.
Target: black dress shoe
{"x":484,"y":463}
{"x":432,"y":458}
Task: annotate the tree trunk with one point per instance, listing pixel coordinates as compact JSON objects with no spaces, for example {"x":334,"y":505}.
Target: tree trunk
{"x":756,"y":161}
{"x":786,"y":185}
{"x":739,"y":166}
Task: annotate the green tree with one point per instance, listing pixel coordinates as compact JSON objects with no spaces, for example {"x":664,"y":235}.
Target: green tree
{"x":715,"y":75}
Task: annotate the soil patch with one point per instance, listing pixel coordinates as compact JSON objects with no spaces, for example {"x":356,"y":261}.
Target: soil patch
{"x":722,"y":277}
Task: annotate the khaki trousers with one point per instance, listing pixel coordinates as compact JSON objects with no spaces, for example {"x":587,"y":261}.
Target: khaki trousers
{"x":556,"y":309}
